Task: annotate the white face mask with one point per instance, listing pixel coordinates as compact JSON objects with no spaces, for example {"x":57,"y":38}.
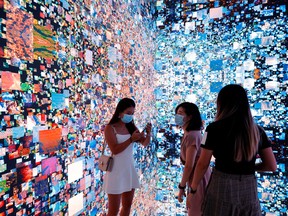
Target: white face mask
{"x":179,"y":120}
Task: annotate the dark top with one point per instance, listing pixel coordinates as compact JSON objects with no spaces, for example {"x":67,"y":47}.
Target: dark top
{"x":220,"y":138}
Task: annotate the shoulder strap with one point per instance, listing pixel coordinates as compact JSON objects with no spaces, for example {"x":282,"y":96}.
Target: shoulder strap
{"x":104,"y":146}
{"x":105,"y":143}
{"x":114,"y":129}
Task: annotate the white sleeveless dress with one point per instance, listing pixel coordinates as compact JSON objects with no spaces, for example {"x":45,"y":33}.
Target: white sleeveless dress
{"x":123,"y":177}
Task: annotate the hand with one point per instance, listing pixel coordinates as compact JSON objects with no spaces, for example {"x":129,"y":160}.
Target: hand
{"x":136,"y":136}
{"x":189,"y":200}
{"x":180,"y":195}
{"x":148,"y":128}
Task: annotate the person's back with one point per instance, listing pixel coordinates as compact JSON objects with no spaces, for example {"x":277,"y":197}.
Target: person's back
{"x":223,"y":133}
{"x":235,"y":183}
{"x":234,"y":140}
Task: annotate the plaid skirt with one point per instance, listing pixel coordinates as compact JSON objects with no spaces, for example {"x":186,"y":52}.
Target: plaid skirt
{"x":231,"y":195}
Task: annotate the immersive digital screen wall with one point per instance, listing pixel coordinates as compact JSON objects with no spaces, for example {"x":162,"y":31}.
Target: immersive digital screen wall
{"x":204,"y":45}
{"x":64,"y":65}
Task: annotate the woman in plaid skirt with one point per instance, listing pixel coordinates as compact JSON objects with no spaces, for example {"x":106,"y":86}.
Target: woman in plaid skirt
{"x":235,"y":141}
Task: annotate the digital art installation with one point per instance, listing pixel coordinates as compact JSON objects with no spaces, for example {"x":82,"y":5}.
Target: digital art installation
{"x":64,"y":65}
{"x":205,"y":45}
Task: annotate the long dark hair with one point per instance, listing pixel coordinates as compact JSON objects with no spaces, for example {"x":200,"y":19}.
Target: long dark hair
{"x":190,"y":109}
{"x":232,"y":102}
{"x":122,"y":105}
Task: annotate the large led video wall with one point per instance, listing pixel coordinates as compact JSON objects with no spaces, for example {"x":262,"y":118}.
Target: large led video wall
{"x":204,"y":45}
{"x":64,"y":65}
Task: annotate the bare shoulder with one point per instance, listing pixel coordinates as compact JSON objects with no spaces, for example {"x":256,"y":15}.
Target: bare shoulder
{"x":118,"y":128}
{"x":108,"y":128}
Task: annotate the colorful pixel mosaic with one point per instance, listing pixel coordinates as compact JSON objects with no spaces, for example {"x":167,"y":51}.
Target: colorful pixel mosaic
{"x":64,"y":65}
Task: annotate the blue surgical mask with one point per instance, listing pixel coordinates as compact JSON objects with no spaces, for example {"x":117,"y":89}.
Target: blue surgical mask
{"x":179,"y":119}
{"x":127,"y":118}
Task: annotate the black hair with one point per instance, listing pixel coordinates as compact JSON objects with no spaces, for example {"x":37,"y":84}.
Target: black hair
{"x":191,"y":109}
{"x":232,"y":102}
{"x":122,"y":105}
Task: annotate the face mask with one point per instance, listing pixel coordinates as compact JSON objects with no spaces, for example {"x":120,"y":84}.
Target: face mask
{"x":179,"y":119}
{"x":127,"y":118}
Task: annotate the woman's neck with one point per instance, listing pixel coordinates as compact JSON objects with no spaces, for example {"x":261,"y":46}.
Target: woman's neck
{"x":121,"y":123}
{"x":184,"y":127}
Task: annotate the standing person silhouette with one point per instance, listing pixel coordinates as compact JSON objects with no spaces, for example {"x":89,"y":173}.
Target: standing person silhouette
{"x":234,"y":140}
{"x":189,"y":118}
{"x":120,"y":134}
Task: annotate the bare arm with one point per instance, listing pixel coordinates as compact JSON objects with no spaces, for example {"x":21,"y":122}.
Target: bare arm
{"x":189,"y":164}
{"x":201,"y":167}
{"x":190,"y":159}
{"x":268,"y":161}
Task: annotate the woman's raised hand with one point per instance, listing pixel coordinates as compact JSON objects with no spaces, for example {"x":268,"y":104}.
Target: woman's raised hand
{"x":136,"y":136}
{"x":148,"y":128}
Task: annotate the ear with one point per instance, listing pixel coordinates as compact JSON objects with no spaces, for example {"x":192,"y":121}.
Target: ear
{"x":189,"y":117}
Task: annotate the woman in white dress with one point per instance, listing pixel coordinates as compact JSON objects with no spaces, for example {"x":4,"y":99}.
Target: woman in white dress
{"x":120,"y":134}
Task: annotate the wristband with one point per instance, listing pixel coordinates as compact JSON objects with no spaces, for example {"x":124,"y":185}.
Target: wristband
{"x":181,"y":187}
{"x":192,"y":191}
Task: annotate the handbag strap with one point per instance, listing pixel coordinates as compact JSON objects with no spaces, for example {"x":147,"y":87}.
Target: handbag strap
{"x":104,"y":146}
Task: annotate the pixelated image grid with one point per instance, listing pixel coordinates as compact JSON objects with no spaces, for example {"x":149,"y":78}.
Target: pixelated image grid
{"x":65,"y":64}
{"x":204,"y":45}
